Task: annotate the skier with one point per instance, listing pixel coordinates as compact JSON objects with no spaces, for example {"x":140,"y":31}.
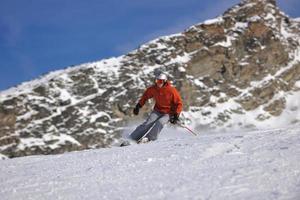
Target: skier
{"x":168,"y":105}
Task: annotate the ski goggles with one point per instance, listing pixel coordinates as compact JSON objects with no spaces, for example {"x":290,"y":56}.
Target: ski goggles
{"x":159,"y":81}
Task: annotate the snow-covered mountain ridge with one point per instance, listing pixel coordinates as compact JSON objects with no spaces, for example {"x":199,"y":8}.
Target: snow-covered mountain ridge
{"x":240,"y":70}
{"x":249,"y":165}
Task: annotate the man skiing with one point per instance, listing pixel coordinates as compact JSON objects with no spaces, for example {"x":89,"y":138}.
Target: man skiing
{"x":168,"y":105}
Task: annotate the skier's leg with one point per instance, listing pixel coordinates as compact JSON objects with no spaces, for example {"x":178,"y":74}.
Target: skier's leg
{"x":158,"y":126}
{"x":143,"y":128}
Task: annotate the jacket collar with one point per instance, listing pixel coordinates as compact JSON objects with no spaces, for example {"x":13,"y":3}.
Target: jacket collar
{"x":167,"y":84}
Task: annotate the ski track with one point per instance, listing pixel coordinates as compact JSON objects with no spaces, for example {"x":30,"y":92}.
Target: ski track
{"x":251,"y":165}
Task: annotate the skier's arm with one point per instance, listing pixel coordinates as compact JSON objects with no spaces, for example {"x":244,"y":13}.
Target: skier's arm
{"x":176,"y":107}
{"x":148,"y":94}
{"x":177,"y":102}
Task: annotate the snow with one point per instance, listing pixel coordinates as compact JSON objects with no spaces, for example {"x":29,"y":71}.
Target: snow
{"x":108,"y":66}
{"x":249,"y":165}
{"x":2,"y":157}
{"x":241,"y":25}
{"x":181,"y":69}
{"x":180,"y":59}
{"x":226,"y":43}
{"x":247,"y":5}
{"x":239,"y":118}
{"x":27,"y":115}
{"x":28,"y":142}
{"x":270,"y":17}
{"x":94,"y":117}
{"x":214,"y":21}
{"x":297,"y":84}
{"x":59,"y":140}
{"x":244,"y":63}
{"x":285,"y":32}
{"x":199,"y":83}
{"x":254,"y":18}
{"x":65,"y":95}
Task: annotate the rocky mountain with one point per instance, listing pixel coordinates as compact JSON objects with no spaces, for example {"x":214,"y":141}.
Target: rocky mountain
{"x":239,"y":70}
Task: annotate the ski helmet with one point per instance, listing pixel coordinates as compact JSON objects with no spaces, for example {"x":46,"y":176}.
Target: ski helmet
{"x":162,"y":77}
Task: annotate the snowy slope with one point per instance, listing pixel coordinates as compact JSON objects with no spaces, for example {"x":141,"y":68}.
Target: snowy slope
{"x":251,"y":165}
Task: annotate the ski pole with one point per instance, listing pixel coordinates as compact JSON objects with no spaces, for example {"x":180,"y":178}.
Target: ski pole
{"x":182,"y":126}
{"x":153,"y":123}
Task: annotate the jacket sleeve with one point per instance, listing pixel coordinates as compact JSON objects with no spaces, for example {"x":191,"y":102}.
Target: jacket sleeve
{"x":177,"y":102}
{"x":148,"y":94}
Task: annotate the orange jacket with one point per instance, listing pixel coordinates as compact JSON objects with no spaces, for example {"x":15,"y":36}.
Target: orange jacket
{"x":167,"y":99}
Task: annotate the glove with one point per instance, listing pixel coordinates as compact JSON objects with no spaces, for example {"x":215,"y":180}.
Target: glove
{"x":174,"y":118}
{"x":136,"y":110}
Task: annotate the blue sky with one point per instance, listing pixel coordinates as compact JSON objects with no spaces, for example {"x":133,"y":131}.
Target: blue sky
{"x":38,"y":36}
